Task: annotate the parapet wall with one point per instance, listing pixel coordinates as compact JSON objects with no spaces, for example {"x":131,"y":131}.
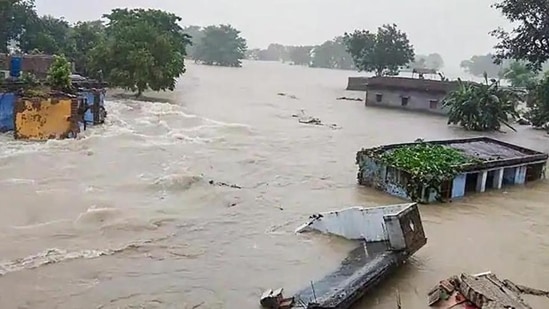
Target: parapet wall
{"x":357,"y":83}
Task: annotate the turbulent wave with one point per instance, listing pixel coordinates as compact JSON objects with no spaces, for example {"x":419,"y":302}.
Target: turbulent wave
{"x":54,"y":256}
{"x":143,"y":123}
{"x":177,"y":182}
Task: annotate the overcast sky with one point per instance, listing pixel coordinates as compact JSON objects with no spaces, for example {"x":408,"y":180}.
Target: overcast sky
{"x":457,"y":29}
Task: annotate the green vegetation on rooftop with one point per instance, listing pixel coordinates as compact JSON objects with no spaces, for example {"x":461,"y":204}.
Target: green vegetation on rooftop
{"x":428,"y":166}
{"x":426,"y":160}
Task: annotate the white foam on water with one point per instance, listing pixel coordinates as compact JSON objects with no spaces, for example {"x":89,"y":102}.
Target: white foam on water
{"x":18,"y":181}
{"x":55,"y":255}
{"x":177,"y":182}
{"x":139,"y":121}
{"x":98,"y":215}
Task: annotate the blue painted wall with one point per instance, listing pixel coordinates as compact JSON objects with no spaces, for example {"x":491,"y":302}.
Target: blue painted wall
{"x":396,"y":190}
{"x":458,"y":186}
{"x":372,"y":172}
{"x":90,"y":97}
{"x":375,"y":174}
{"x":520,"y":175}
{"x":7,"y":102}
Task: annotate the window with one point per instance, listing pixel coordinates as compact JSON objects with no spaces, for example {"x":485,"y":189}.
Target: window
{"x":379,"y":97}
{"x":404,"y":101}
{"x":433,"y":104}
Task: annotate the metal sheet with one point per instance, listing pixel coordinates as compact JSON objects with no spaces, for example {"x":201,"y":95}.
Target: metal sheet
{"x":89,"y":98}
{"x":42,"y":119}
{"x":7,"y":102}
{"x":94,"y":105}
{"x":355,"y":223}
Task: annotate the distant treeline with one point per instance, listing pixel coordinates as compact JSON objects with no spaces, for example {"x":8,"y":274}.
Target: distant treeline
{"x":331,"y":54}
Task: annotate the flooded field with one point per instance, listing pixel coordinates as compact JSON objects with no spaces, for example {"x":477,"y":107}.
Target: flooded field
{"x":125,"y":217}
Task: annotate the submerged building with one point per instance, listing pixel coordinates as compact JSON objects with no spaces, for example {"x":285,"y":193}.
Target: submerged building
{"x":33,"y":111}
{"x":492,"y":164}
{"x":408,"y":93}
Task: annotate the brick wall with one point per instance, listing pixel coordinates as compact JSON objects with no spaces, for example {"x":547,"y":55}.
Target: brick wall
{"x":35,"y":64}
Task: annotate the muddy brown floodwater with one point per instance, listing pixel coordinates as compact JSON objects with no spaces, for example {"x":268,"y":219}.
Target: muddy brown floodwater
{"x":125,"y":217}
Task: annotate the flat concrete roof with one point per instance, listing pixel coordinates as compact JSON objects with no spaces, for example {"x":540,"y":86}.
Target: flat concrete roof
{"x":489,"y":151}
{"x":492,"y":152}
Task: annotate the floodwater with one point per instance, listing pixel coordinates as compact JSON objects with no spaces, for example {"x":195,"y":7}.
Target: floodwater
{"x":125,"y":217}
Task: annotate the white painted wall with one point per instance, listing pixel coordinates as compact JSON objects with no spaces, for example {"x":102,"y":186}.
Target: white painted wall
{"x":355,"y":223}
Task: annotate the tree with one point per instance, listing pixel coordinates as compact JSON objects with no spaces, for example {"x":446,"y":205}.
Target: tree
{"x":221,"y":45}
{"x":196,"y":34}
{"x":59,"y":74}
{"x":383,"y":53}
{"x":519,"y":75}
{"x":15,"y":15}
{"x":85,"y":36}
{"x":47,"y":34}
{"x":480,"y":64}
{"x":432,"y":61}
{"x":300,"y":55}
{"x":274,"y":52}
{"x":143,"y":49}
{"x":481,"y":106}
{"x":332,"y":55}
{"x":529,"y":40}
{"x":539,"y":112}
{"x":252,"y":54}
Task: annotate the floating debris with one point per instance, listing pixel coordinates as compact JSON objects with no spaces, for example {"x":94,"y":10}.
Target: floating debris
{"x":311,"y":120}
{"x":479,"y":291}
{"x":385,"y":236}
{"x":523,"y":121}
{"x":350,"y":99}
{"x":224,"y":184}
{"x":304,"y":119}
{"x":291,"y":96}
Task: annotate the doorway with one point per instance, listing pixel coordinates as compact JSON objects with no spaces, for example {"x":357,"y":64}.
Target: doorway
{"x":471,"y":183}
{"x":534,"y":171}
{"x":490,"y":176}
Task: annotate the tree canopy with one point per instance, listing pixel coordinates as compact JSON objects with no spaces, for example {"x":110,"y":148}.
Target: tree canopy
{"x":539,"y":113}
{"x":143,"y":49}
{"x":383,"y":52}
{"x":220,"y":45}
{"x":15,"y":17}
{"x":274,"y":52}
{"x":300,"y":55}
{"x":519,"y":75}
{"x":47,"y":34}
{"x":85,"y":36}
{"x":332,"y":54}
{"x":195,"y":32}
{"x":480,"y":64}
{"x":529,"y":40}
{"x":432,"y":61}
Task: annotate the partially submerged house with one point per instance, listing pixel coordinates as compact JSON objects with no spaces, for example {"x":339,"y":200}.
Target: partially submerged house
{"x":357,"y":83}
{"x":448,"y":169}
{"x":34,"y":112}
{"x":408,"y":93}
